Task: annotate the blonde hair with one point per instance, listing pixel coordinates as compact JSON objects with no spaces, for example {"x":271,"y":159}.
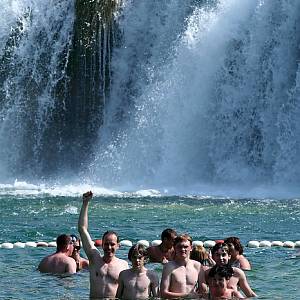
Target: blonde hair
{"x":199,"y":253}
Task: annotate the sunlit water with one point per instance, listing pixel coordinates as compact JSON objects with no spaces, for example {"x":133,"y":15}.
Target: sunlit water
{"x":43,"y":216}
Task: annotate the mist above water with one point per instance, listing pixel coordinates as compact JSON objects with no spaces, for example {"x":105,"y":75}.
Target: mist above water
{"x":203,"y":97}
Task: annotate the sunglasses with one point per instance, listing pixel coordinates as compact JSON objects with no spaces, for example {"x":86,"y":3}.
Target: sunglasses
{"x":74,"y":238}
{"x":77,"y":248}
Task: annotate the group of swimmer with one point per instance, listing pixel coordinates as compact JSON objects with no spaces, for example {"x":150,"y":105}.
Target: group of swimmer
{"x":188,"y":272}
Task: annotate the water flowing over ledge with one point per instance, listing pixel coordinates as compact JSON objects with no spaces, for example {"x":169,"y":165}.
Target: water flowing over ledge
{"x":153,"y":95}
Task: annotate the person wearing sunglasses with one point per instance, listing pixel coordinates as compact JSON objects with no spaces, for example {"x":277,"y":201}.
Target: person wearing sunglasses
{"x":60,"y":262}
{"x":81,"y":262}
{"x":221,"y":255}
{"x":104,"y":270}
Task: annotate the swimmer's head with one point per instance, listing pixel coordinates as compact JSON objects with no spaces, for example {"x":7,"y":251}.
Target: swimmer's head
{"x":221,"y":271}
{"x":182,"y":238}
{"x":234,"y":243}
{"x":220,"y":254}
{"x":110,"y":232}
{"x":137,"y":251}
{"x":63,"y":243}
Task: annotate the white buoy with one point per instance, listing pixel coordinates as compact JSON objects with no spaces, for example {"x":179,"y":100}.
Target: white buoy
{"x":19,"y":245}
{"x":209,"y":244}
{"x":126,"y":243}
{"x":265,"y":244}
{"x":30,"y":244}
{"x":297,"y":244}
{"x":7,"y":246}
{"x":52,"y":244}
{"x":155,"y":242}
{"x":197,"y":243}
{"x":289,"y":244}
{"x":277,"y":244}
{"x":144,"y":243}
{"x":42,"y":244}
{"x":253,"y":244}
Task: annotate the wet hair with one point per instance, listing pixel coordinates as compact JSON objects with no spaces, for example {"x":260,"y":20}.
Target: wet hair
{"x":183,"y":238}
{"x":110,"y":232}
{"x":62,"y":242}
{"x":222,"y":271}
{"x":168,"y":233}
{"x":235,"y":241}
{"x":218,"y":246}
{"x":137,"y":250}
{"x":199,"y":253}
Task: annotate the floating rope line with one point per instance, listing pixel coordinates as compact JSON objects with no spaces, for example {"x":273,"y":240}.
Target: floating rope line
{"x":128,"y":243}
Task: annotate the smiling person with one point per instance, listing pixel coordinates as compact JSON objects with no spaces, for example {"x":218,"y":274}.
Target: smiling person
{"x":221,"y":256}
{"x":81,"y":262}
{"x":104,"y":270}
{"x":137,"y":282}
{"x":180,"y":276}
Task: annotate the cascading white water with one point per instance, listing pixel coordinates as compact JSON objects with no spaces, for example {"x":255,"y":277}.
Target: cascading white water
{"x":212,"y":95}
{"x":33,"y":37}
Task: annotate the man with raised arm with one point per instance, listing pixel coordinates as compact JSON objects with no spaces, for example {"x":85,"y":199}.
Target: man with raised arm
{"x":180,"y":276}
{"x":104,"y":270}
{"x":60,"y":262}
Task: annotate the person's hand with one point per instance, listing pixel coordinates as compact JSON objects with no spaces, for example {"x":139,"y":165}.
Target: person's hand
{"x":86,"y":197}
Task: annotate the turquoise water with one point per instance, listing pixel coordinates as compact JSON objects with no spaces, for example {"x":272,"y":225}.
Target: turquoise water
{"x":42,"y":217}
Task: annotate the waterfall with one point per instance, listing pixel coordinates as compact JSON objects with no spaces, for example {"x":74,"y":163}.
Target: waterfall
{"x":162,"y":93}
{"x":205,"y":92}
{"x":54,"y":81}
{"x":35,"y":41}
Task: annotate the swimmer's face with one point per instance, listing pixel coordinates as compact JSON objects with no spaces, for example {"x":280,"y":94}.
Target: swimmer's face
{"x":169,"y":242}
{"x":221,"y":257}
{"x":137,"y":261}
{"x":183,"y":249}
{"x":110,"y":245}
{"x":218,"y":283}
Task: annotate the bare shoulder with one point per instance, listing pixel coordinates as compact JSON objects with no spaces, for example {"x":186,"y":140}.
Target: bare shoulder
{"x":124,"y":273}
{"x":152,"y":275}
{"x":123,"y":263}
{"x":95,"y":257}
{"x":244,"y":262}
{"x":196,"y":264}
{"x":152,"y":250}
{"x":169,"y":265}
{"x":238,"y":272}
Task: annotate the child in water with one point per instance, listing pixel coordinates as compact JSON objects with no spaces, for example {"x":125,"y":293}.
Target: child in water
{"x":137,"y":282}
{"x":218,"y":284}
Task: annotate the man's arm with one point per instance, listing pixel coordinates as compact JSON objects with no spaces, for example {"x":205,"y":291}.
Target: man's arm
{"x":71,"y":266}
{"x":88,"y":244}
{"x":243,"y":283}
{"x":154,"y":285}
{"x":120,"y":287}
{"x":203,"y":286}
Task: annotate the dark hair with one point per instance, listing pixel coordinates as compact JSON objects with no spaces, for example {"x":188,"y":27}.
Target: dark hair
{"x":222,"y":271}
{"x":137,"y":249}
{"x":110,"y":232}
{"x":199,"y":253}
{"x":182,"y":238}
{"x":218,"y":246}
{"x":168,"y":233}
{"x":235,"y":241}
{"x":62,"y":242}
